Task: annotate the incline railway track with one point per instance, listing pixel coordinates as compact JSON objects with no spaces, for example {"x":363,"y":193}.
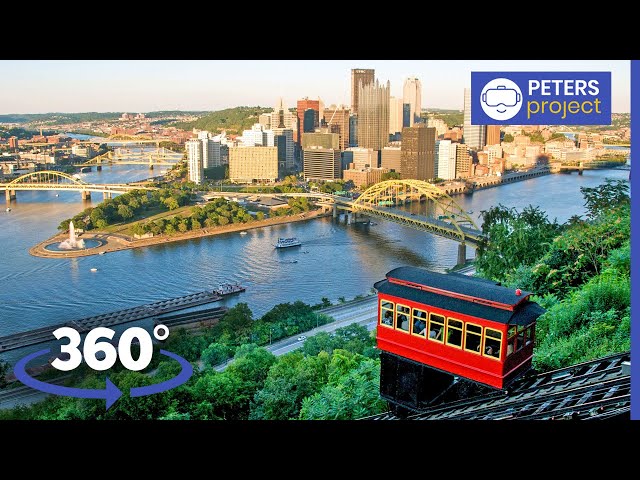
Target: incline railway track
{"x":591,"y":390}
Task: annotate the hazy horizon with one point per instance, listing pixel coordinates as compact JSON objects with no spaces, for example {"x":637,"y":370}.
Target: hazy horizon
{"x":101,"y":86}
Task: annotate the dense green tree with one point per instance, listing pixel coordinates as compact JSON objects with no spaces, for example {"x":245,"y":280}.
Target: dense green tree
{"x":4,"y":370}
{"x":612,"y":194}
{"x":215,"y":354}
{"x":512,"y":239}
{"x":125,"y":212}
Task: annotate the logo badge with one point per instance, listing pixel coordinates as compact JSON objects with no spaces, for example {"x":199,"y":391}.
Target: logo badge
{"x":501,"y":99}
{"x":541,"y":98}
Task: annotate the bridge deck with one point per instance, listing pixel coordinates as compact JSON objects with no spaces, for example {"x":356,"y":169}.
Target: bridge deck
{"x":45,"y":334}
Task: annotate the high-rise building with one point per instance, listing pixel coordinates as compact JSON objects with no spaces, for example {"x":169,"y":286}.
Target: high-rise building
{"x":373,"y":116}
{"x":281,"y":117}
{"x":210,"y":149}
{"x":258,"y":136}
{"x":395,"y":115}
{"x":359,"y":77}
{"x":194,"y":160}
{"x":288,"y":134}
{"x":391,"y":158}
{"x":417,"y":157}
{"x":463,"y":161}
{"x":493,"y":135}
{"x":303,"y":105}
{"x":309,"y":122}
{"x":13,"y":142}
{"x":364,"y":157}
{"x":337,"y":119}
{"x":412,"y":94}
{"x":321,"y":139}
{"x":406,"y":115}
{"x":321,"y":164}
{"x":445,"y":160}
{"x":353,"y":130}
{"x":253,"y":164}
{"x":473,"y":135}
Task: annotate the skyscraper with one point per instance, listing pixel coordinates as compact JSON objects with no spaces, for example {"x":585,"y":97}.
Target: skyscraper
{"x":338,"y":118}
{"x":473,"y":135}
{"x":412,"y":94}
{"x":395,"y":115}
{"x":289,"y":147}
{"x":194,"y":158}
{"x":353,"y":130}
{"x":303,"y":105}
{"x":463,"y":161}
{"x":417,"y":157}
{"x":359,"y":76}
{"x":493,"y":135}
{"x":210,"y":149}
{"x":373,"y":116}
{"x":445,"y":160}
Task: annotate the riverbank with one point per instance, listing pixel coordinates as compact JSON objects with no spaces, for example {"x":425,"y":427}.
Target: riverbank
{"x":114,"y":242}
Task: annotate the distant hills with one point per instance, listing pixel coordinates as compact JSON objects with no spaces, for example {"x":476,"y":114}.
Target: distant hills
{"x":233,"y":120}
{"x":59,"y":118}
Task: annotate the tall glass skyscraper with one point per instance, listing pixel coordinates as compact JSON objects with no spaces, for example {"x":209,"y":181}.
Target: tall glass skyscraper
{"x":474,"y":135}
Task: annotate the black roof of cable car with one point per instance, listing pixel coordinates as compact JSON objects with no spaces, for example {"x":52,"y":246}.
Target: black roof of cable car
{"x":523,"y":314}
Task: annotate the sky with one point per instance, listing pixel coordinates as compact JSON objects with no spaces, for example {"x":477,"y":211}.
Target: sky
{"x":41,"y":86}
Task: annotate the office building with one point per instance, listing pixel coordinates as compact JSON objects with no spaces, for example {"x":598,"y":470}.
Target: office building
{"x":321,"y":164}
{"x":363,"y":157}
{"x":391,"y":158}
{"x":194,"y":160}
{"x":289,"y":146}
{"x":337,"y":120}
{"x":254,"y":164}
{"x":473,"y":135}
{"x":406,"y":115}
{"x":493,"y":135}
{"x":417,"y":158}
{"x":445,"y":160}
{"x":373,"y":115}
{"x":395,"y":115}
{"x":359,"y":77}
{"x":309,"y":122}
{"x":353,"y":130}
{"x":321,"y":139}
{"x":303,"y":105}
{"x":412,"y":94}
{"x":463,"y":161}
{"x":364,"y":176}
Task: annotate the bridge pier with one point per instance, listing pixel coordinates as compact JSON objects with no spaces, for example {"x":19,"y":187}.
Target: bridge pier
{"x":335,"y":211}
{"x":99,"y":168}
{"x":151,"y":166}
{"x":10,"y":195}
{"x":86,"y":195}
{"x":349,"y":217}
{"x":106,"y":195}
{"x":462,"y":253}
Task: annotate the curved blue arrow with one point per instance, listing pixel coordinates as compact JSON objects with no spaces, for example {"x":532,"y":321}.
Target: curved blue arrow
{"x":111,"y":393}
{"x":182,"y":377}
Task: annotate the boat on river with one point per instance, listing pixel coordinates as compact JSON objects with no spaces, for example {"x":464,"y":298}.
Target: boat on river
{"x":288,"y":242}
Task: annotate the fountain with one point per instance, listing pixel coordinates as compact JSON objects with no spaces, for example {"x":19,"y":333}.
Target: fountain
{"x":72,"y":243}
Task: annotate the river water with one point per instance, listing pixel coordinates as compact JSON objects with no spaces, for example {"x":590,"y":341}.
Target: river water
{"x":335,"y":260}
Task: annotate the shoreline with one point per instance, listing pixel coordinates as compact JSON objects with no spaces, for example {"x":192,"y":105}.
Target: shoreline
{"x":117,"y":242}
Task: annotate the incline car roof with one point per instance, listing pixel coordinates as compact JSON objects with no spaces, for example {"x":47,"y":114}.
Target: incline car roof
{"x":458,"y":293}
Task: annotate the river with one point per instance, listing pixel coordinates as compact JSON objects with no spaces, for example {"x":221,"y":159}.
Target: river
{"x":335,"y":260}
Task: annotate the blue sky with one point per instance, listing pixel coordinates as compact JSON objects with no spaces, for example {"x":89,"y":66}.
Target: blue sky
{"x":39,"y":86}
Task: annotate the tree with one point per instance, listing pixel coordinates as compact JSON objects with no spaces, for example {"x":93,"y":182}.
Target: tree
{"x":508,"y":138}
{"x":604,"y":197}
{"x":4,"y":370}
{"x":237,"y":322}
{"x":215,"y":354}
{"x":512,"y":239}
{"x":391,"y":176}
{"x":125,"y":212}
{"x":171,"y":203}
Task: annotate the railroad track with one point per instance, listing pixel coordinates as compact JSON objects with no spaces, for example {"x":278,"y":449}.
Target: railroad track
{"x":589,"y":390}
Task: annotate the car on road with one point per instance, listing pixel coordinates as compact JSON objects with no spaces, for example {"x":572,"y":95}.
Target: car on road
{"x":301,"y":338}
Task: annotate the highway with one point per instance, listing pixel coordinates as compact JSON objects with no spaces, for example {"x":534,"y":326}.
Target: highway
{"x":363,"y":312}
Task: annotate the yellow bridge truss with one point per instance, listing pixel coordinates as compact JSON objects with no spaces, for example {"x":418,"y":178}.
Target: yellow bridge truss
{"x":52,"y":180}
{"x":446,"y":218}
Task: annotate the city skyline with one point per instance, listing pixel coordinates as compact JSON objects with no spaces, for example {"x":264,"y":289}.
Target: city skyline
{"x":45,"y":86}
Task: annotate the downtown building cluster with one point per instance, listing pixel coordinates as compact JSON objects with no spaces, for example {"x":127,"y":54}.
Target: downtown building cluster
{"x":374,"y":135}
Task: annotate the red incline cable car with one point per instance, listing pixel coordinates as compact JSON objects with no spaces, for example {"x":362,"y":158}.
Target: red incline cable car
{"x":434,"y":328}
